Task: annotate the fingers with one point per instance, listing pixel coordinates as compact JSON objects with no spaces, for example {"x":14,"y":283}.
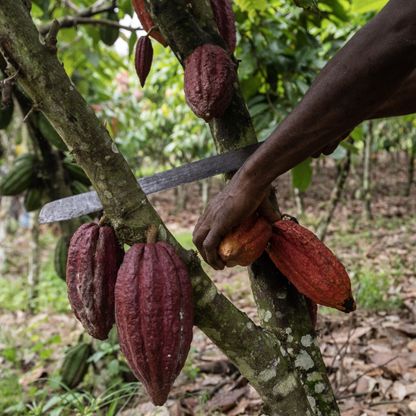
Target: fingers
{"x":210,"y":247}
{"x":267,"y":211}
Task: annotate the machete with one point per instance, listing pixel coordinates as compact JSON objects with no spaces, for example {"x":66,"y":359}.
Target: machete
{"x":87,"y":203}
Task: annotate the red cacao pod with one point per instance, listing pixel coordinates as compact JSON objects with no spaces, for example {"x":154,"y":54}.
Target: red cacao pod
{"x":310,"y":266}
{"x":94,"y":256}
{"x":147,"y":21}
{"x":154,"y":315}
{"x":225,"y":19}
{"x":245,"y":244}
{"x":143,"y":58}
{"x":209,"y":77}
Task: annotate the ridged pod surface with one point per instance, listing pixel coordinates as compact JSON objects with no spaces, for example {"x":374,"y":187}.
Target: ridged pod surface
{"x":143,"y":58}
{"x":225,"y":19}
{"x":154,"y":315}
{"x":246,"y":243}
{"x":94,"y":256}
{"x":147,"y":21}
{"x":310,"y":266}
{"x":209,"y":77}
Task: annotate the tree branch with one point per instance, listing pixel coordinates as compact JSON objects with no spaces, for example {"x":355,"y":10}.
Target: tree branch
{"x":85,"y":17}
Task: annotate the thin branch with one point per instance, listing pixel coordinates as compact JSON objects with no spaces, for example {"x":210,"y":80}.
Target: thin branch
{"x":68,"y":22}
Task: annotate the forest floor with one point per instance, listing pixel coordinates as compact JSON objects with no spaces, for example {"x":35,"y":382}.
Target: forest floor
{"x":370,"y":354}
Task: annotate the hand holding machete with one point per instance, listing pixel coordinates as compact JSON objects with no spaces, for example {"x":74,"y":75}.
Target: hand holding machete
{"x":369,"y":77}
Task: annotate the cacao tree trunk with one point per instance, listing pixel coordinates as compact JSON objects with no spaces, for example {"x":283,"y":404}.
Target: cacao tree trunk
{"x":300,"y":206}
{"x":283,"y":364}
{"x":34,"y":262}
{"x":411,"y":167}
{"x":367,"y":172}
{"x":343,"y":171}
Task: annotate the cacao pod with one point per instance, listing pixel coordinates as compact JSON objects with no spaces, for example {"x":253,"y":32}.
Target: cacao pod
{"x":6,"y":115}
{"x":143,"y":58}
{"x":246,"y":243}
{"x":75,"y":365}
{"x":50,"y":134}
{"x":109,"y":34}
{"x":20,"y":176}
{"x":76,"y":173}
{"x":61,"y":256}
{"x":33,"y":199}
{"x":94,"y":256}
{"x":225,"y":20}
{"x":78,"y":188}
{"x":209,"y":77}
{"x":310,"y":266}
{"x":154,"y":315}
{"x":147,"y":21}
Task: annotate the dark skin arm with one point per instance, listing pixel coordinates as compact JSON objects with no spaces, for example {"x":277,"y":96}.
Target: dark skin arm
{"x":375,"y":66}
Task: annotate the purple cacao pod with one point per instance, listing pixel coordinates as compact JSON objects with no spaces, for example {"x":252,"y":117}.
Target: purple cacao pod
{"x":154,"y":315}
{"x":94,"y":256}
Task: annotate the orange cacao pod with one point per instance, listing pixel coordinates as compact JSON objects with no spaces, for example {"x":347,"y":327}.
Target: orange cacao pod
{"x":94,"y":256}
{"x":209,"y":77}
{"x":225,"y":19}
{"x":154,"y":315}
{"x":245,"y":244}
{"x":143,"y":58}
{"x":147,"y":21}
{"x":310,"y":266}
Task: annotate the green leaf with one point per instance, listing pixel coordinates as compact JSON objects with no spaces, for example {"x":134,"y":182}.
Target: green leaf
{"x":364,"y":6}
{"x":302,"y":175}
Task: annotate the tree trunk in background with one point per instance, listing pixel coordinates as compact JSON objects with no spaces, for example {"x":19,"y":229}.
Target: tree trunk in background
{"x":299,"y":201}
{"x":34,"y":262}
{"x":343,"y":171}
{"x":205,"y":187}
{"x":366,"y":196}
{"x":411,"y":167}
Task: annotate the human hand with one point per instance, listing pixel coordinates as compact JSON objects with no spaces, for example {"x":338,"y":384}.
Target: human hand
{"x":228,"y":209}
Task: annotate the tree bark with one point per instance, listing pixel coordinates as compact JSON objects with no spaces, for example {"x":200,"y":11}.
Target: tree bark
{"x":343,"y":171}
{"x":411,"y":166}
{"x":367,"y":172}
{"x":260,"y":355}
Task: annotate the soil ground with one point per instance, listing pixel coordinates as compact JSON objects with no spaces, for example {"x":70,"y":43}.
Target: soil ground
{"x":370,"y":354}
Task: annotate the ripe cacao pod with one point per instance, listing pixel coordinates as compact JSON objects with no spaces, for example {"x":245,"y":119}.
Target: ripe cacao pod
{"x":245,"y":243}
{"x":154,"y":315}
{"x":143,"y":58}
{"x":147,"y":21}
{"x":209,"y":77}
{"x":225,"y":19}
{"x":20,"y":176}
{"x":61,"y":256}
{"x":310,"y":266}
{"x":75,"y":365}
{"x":94,"y":256}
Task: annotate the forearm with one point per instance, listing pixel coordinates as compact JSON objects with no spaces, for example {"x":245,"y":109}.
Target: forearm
{"x":402,"y":102}
{"x":365,"y":73}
